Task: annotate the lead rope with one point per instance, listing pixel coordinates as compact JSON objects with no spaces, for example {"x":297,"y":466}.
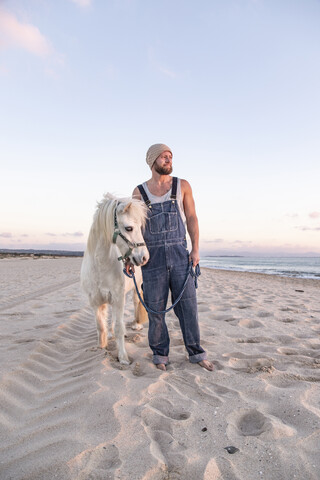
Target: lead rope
{"x":192,"y":273}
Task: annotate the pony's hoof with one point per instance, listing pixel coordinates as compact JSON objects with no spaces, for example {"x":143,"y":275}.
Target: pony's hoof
{"x":124,"y":362}
{"x":123,"y":358}
{"x":136,"y":326}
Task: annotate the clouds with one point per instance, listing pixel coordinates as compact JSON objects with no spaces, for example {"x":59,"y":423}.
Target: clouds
{"x":74,"y":234}
{"x":292,"y":215}
{"x":66,"y":241}
{"x":227,"y":242}
{"x":16,"y":34}
{"x":308,"y":229}
{"x":215,"y":240}
{"x":9,"y":236}
{"x":313,"y":215}
{"x":305,"y":218}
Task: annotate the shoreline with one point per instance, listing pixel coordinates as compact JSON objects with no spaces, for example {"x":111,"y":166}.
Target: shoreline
{"x":263,"y":275}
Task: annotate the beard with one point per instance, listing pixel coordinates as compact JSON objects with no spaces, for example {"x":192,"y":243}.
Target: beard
{"x":163,"y":170}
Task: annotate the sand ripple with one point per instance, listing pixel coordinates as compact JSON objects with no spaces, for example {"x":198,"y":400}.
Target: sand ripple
{"x":70,"y":411}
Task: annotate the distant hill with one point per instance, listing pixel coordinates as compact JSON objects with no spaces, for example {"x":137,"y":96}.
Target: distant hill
{"x":5,"y":252}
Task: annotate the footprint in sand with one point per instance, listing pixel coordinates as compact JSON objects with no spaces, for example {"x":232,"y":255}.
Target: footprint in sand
{"x":158,"y":418}
{"x":190,"y":384}
{"x":248,"y":340}
{"x":138,"y":370}
{"x":264,"y":314}
{"x":287,"y":320}
{"x":165,"y":407}
{"x":312,"y":354}
{"x":255,"y":340}
{"x":248,"y":323}
{"x":248,"y":363}
{"x":98,"y":463}
{"x":285,"y":339}
{"x":253,"y":423}
{"x":223,"y":317}
{"x":156,"y":421}
{"x":133,"y":338}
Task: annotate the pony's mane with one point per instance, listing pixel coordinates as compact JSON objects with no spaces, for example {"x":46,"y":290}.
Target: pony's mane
{"x":103,"y":220}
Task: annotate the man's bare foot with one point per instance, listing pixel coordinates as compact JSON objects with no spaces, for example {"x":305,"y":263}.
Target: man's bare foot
{"x":207,"y":365}
{"x":161,"y":366}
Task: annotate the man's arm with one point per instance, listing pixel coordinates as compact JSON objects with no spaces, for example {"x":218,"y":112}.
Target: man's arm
{"x":136,"y":193}
{"x":192,"y":220}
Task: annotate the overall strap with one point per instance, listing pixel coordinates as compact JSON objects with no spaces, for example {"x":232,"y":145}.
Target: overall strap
{"x":174,"y":188}
{"x":144,"y":195}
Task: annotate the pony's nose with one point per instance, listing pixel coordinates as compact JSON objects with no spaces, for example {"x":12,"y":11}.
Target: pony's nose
{"x":140,"y":260}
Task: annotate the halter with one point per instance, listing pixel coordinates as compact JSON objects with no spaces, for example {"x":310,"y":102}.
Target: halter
{"x":128,"y":242}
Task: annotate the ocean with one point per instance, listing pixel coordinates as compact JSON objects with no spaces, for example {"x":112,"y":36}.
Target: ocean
{"x":299,"y":267}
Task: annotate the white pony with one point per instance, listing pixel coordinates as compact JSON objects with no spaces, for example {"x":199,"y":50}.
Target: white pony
{"x":116,"y":234}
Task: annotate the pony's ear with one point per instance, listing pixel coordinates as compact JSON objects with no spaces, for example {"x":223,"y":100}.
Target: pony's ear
{"x":126,"y":208}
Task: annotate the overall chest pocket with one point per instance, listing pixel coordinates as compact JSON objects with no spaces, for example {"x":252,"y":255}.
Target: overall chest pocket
{"x":163,"y":222}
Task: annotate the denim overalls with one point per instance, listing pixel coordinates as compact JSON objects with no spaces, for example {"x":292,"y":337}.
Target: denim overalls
{"x":165,"y":237}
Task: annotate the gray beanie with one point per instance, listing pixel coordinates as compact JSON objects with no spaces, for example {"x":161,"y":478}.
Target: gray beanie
{"x":154,"y":152}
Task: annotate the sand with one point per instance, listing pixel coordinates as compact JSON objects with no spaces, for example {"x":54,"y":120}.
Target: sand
{"x":70,"y":411}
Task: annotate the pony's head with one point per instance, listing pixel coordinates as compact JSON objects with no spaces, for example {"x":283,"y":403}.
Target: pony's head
{"x":122,"y":222}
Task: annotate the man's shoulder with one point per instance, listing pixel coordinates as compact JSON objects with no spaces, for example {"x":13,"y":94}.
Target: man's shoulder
{"x":136,"y":192}
{"x":185,"y":185}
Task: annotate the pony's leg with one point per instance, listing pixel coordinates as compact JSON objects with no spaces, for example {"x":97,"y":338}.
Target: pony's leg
{"x":135,"y":324}
{"x":101,"y":317}
{"x":110,"y":327}
{"x":142,"y":312}
{"x":120,"y":330}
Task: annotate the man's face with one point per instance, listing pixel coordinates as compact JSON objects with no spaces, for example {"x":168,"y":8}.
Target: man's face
{"x":163,"y":164}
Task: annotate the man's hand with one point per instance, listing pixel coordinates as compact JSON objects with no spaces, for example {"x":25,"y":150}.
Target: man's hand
{"x":129,"y":266}
{"x":194,"y":257}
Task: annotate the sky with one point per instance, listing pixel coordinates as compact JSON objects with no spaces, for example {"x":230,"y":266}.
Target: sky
{"x":232,"y":86}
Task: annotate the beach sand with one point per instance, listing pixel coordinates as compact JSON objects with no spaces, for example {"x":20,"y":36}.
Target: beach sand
{"x":70,"y":411}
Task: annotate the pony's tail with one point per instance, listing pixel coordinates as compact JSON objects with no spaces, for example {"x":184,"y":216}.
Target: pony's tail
{"x":142,"y":315}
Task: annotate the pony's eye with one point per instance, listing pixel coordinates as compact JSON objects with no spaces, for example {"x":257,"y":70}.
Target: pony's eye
{"x":129,"y":229}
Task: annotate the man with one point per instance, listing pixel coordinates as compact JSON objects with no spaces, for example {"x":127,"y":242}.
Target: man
{"x":170,"y":206}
